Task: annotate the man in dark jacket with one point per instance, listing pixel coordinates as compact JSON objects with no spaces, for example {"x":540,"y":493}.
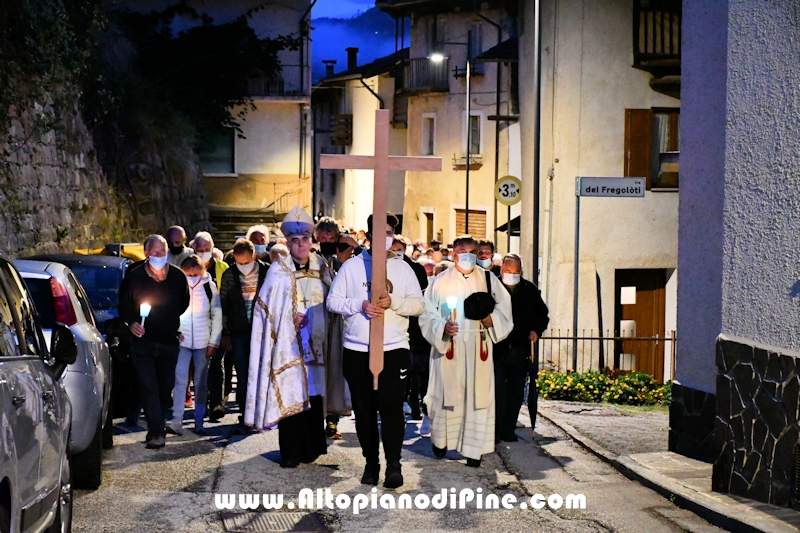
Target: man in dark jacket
{"x":158,"y":291}
{"x":419,"y":347}
{"x":512,"y":357}
{"x":240,"y":286}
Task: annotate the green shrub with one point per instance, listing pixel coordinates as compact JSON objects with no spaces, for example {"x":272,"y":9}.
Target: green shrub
{"x":635,"y":388}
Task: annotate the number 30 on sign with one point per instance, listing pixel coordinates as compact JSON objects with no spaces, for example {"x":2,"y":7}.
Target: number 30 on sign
{"x":508,"y":190}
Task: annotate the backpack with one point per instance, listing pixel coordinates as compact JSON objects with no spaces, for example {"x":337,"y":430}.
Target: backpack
{"x":208,"y":291}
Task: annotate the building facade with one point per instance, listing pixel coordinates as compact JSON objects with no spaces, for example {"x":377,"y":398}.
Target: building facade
{"x":430,"y":97}
{"x":610,"y":73}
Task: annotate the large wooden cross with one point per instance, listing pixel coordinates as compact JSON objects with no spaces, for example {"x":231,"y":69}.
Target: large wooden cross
{"x":381,"y":163}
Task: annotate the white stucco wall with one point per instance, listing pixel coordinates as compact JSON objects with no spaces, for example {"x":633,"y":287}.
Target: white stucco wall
{"x":760,"y":266}
{"x":588,"y":82}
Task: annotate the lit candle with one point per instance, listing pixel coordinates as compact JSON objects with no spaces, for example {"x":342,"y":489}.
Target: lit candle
{"x":144,"y":312}
{"x":452,"y":302}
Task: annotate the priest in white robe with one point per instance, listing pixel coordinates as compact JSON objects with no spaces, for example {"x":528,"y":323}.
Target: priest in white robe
{"x":286,"y":381}
{"x":460,"y":397}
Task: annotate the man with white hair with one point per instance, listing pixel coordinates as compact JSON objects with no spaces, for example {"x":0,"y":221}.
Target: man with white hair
{"x":203,"y":245}
{"x":277,"y":251}
{"x":156,"y":291}
{"x":259,"y":236}
{"x":176,"y":243}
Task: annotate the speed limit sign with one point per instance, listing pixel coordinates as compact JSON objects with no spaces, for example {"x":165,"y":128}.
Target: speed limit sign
{"x":508,"y":190}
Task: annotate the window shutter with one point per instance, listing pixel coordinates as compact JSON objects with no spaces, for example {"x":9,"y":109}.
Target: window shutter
{"x":477,"y":223}
{"x":638,"y":143}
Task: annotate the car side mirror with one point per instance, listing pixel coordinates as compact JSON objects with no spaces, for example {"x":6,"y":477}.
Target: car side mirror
{"x":115,"y":330}
{"x":63,"y":348}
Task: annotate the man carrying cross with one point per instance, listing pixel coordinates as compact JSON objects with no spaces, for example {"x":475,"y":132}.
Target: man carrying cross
{"x":350,"y":296}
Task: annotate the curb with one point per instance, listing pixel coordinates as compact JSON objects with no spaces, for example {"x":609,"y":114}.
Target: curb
{"x":703,"y":506}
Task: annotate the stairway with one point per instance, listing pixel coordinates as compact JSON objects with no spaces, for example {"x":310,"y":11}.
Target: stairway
{"x":231,"y":223}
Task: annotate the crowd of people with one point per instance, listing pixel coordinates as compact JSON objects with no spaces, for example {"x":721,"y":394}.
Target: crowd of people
{"x":291,"y":318}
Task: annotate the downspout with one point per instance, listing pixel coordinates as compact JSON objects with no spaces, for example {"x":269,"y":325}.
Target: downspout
{"x":496,"y":124}
{"x":304,"y":36}
{"x":380,"y":100}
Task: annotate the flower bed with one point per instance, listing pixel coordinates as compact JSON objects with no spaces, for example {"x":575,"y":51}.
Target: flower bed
{"x":635,"y":388}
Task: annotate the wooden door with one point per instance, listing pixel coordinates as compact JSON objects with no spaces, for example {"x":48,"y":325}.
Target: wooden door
{"x":428,"y":228}
{"x":648,"y":314}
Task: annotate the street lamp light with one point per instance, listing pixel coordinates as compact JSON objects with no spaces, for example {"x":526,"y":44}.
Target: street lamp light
{"x":437,"y":56}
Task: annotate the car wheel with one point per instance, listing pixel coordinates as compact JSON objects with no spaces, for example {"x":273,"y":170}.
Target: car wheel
{"x":108,"y":430}
{"x":89,"y":463}
{"x":63,"y":520}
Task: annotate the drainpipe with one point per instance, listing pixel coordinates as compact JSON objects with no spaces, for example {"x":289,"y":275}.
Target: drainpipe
{"x":496,"y":125}
{"x":380,"y":100}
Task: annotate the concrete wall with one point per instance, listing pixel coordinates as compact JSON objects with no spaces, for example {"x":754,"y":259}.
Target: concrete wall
{"x":703,"y":124}
{"x":588,"y":82}
{"x":443,"y":192}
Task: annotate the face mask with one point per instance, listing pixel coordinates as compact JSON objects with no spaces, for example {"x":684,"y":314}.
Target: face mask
{"x":389,"y":242}
{"x":260,"y":248}
{"x":193,"y":280}
{"x":205,"y":257}
{"x":246,"y":268}
{"x":398,"y":253}
{"x":328,"y":248}
{"x":484,"y":263}
{"x":467,"y":261}
{"x":176,"y":250}
{"x":510,"y":279}
{"x":157,"y":263}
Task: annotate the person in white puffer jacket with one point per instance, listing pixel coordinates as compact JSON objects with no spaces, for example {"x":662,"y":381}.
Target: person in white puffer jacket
{"x":201,"y":330}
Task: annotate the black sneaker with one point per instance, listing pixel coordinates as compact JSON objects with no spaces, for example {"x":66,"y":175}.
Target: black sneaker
{"x":216,"y":413}
{"x":156,"y":443}
{"x":394,"y":476}
{"x":474,"y":463}
{"x":288,"y":463}
{"x":371,"y":473}
{"x":439,"y":452}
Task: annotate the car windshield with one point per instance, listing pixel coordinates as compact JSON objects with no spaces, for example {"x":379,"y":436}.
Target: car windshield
{"x":101,"y":284}
{"x":42,"y":296}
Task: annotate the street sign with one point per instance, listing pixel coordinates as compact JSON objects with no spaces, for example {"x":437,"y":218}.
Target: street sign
{"x":508,"y":190}
{"x":611,"y":187}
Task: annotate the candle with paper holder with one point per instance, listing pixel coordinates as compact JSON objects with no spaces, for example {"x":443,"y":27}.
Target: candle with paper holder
{"x":144,"y":311}
{"x":452,"y":303}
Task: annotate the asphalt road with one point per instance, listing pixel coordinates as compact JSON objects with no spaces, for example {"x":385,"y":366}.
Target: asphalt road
{"x":173,"y":489}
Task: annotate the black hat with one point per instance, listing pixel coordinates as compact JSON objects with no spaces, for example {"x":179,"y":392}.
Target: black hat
{"x":478,"y":305}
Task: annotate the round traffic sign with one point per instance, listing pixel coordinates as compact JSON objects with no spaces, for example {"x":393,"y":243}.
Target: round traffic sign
{"x":508,"y":190}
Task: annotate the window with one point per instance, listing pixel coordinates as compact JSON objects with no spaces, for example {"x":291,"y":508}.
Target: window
{"x":651,"y":145}
{"x":22,"y":306}
{"x":429,"y":134}
{"x":8,"y":331}
{"x":477,"y":222}
{"x":475,"y":135}
{"x":475,"y":40}
{"x":436,"y":34}
{"x":83,"y":300}
{"x":218,"y":155}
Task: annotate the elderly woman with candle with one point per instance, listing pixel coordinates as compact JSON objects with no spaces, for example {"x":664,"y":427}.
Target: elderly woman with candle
{"x":154,"y":293}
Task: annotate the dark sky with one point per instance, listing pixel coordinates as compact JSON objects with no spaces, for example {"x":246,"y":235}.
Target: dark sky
{"x":340,"y":8}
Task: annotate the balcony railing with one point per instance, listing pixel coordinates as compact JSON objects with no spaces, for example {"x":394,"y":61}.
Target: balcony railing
{"x":285,"y":84}
{"x":422,"y":75}
{"x":657,"y":36}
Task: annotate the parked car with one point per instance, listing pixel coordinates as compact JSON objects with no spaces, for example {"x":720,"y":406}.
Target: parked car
{"x":101,"y":276}
{"x":60,"y":298}
{"x":35,"y":462}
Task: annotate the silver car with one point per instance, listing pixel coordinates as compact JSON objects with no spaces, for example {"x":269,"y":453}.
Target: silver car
{"x":59,"y":297}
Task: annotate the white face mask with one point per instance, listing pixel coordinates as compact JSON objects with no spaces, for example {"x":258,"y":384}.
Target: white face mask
{"x":246,"y":268}
{"x":467,"y":261}
{"x":389,"y":242}
{"x":205,"y":257}
{"x":511,"y":279}
{"x":193,"y":280}
{"x":484,"y":263}
{"x":157,"y":263}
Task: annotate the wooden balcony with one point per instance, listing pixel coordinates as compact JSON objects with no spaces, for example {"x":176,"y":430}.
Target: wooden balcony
{"x":421,"y":75}
{"x":657,"y":43}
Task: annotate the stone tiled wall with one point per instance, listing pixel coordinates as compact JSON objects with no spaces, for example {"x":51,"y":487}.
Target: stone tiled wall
{"x":758,"y":393}
{"x":691,"y":422}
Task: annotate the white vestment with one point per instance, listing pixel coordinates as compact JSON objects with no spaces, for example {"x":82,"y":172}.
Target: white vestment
{"x":460,"y":397}
{"x":287,"y":362}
